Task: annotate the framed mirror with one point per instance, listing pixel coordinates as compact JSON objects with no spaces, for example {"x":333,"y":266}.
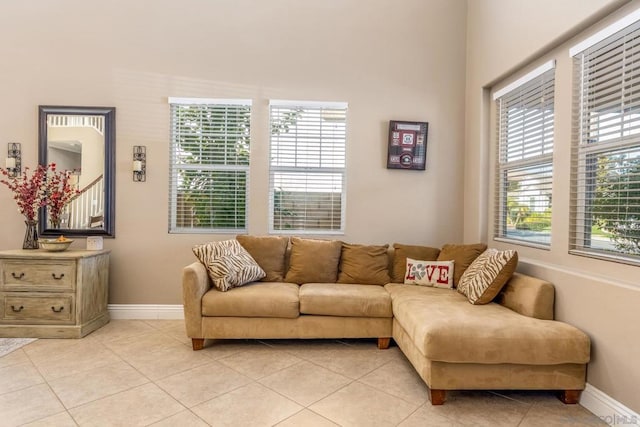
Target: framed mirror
{"x":81,"y":140}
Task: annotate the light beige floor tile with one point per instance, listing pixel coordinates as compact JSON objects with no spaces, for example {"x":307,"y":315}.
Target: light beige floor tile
{"x":358,"y":404}
{"x":167,"y":360}
{"x":350,"y":362}
{"x":423,"y":417}
{"x":182,"y":419}
{"x":14,"y":358}
{"x":62,"y":419}
{"x":118,"y":329}
{"x":306,"y":418}
{"x":19,"y":376}
{"x":260,"y":362}
{"x":175,"y":329}
{"x":29,"y":404}
{"x":400,"y":379}
{"x":43,"y":349}
{"x":84,"y":387}
{"x":305,"y":382}
{"x":165,"y":325}
{"x":481,"y":408}
{"x":556,"y":413}
{"x":74,"y":360}
{"x":219,"y":349}
{"x":251,"y":405}
{"x":202,"y":383}
{"x":141,"y":344}
{"x":139,"y":406}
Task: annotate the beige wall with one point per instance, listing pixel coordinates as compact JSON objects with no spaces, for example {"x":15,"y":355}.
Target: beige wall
{"x":597,"y":296}
{"x":387,"y":59}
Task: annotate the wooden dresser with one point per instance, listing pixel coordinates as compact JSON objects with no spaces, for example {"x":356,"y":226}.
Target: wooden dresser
{"x":53,"y":294}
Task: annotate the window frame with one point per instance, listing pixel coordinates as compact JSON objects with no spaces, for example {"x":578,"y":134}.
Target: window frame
{"x":594,"y":147}
{"x":307,"y":171}
{"x":540,"y":82}
{"x":174,"y":167}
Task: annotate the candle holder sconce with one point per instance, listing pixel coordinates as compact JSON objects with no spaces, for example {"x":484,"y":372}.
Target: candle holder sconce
{"x":139,"y":163}
{"x":14,"y":159}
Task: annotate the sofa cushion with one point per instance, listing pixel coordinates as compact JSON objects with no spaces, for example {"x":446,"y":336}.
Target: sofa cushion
{"x":487,"y":274}
{"x":313,"y":261}
{"x":462,"y":257}
{"x":348,"y":300}
{"x":268,"y":299}
{"x":269,"y":253}
{"x":364,"y":265}
{"x":402,"y":252}
{"x":229,"y":265}
{"x":445,"y":327}
{"x":429,"y":273}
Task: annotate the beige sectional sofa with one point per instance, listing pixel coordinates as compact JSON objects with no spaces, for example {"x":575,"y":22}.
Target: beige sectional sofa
{"x":509,"y":343}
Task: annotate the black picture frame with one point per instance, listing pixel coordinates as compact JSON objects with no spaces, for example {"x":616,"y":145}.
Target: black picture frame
{"x":407,"y":147}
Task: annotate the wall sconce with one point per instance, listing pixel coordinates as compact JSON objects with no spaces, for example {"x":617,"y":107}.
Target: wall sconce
{"x":14,"y":159}
{"x":139,"y":163}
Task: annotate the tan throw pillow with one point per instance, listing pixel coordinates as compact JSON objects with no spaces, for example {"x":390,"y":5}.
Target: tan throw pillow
{"x":365,"y":265}
{"x":486,"y":276}
{"x":269,"y":253}
{"x":313,"y":261}
{"x":229,"y":265}
{"x":462,"y":257}
{"x":402,"y":252}
{"x":429,"y":273}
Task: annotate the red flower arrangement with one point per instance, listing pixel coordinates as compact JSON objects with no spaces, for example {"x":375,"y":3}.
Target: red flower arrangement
{"x":29,"y":192}
{"x":45,"y":187}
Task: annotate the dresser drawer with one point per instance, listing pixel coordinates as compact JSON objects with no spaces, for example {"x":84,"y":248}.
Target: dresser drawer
{"x":38,"y":275}
{"x":38,"y":309}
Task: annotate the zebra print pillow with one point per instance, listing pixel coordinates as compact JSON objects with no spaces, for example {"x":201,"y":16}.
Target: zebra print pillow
{"x":229,"y":264}
{"x":486,"y":276}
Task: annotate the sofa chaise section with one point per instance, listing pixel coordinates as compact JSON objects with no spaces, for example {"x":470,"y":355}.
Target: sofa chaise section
{"x":456,"y":345}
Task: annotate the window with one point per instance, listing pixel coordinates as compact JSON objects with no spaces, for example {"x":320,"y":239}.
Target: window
{"x":525,"y":119}
{"x":307,"y":167}
{"x":605,"y":168}
{"x":209,"y":165}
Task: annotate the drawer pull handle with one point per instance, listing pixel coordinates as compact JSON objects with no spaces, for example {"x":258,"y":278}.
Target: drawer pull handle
{"x":57,"y":277}
{"x":17,"y":310}
{"x":17,"y":276}
{"x":58,"y":310}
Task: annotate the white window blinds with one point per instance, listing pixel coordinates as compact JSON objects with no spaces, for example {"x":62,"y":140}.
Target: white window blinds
{"x":209,"y":165}
{"x":605,"y":167}
{"x":525,"y":121}
{"x":307,"y":167}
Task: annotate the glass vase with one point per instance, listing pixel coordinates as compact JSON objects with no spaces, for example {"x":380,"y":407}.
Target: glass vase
{"x":31,"y":235}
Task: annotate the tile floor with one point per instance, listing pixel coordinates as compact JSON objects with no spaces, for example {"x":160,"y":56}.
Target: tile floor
{"x":138,"y":373}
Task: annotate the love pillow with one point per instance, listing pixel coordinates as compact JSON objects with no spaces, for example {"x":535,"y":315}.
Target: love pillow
{"x":429,"y":273}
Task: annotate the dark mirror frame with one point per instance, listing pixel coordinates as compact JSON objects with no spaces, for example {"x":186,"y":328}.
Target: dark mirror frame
{"x":109,"y":113}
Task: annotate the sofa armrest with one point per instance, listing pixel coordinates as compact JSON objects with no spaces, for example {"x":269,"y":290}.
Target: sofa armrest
{"x":528,"y":296}
{"x":195,"y":283}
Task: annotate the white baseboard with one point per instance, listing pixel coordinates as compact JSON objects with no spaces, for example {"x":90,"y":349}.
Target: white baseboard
{"x":145,"y":311}
{"x":608,"y":409}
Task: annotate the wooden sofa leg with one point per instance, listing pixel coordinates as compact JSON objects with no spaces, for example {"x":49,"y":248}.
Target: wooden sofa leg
{"x":437,"y":397}
{"x":570,"y":397}
{"x":197,"y":343}
{"x":383,"y":343}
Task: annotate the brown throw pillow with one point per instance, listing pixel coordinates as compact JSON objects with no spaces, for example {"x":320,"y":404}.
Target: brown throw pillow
{"x":486,"y":276}
{"x":313,"y":261}
{"x":402,"y":252}
{"x":269,"y":253}
{"x":462,"y":256}
{"x":365,"y":265}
